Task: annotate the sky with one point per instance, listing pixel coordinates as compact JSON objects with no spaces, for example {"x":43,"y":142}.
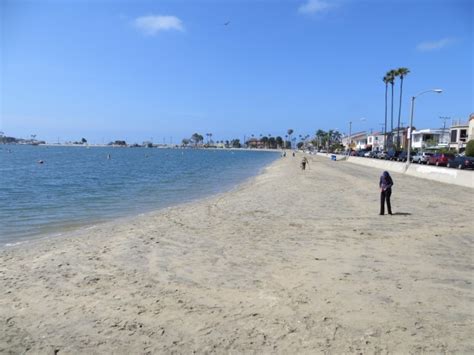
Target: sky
{"x":162,"y":70}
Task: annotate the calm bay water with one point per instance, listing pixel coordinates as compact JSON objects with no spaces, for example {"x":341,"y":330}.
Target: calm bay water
{"x":77,"y":186}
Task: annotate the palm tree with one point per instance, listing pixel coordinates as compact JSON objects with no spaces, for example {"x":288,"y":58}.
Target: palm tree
{"x":386,"y":80}
{"x":391,"y":76}
{"x":290,"y":132}
{"x":401,"y":72}
{"x":279,"y":141}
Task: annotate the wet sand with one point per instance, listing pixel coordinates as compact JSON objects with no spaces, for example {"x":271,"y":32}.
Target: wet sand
{"x":290,"y":262}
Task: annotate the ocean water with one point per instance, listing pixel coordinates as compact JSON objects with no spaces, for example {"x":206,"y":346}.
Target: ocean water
{"x":76,"y":186}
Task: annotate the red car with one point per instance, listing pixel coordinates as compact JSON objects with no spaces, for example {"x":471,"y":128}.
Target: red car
{"x":440,"y":159}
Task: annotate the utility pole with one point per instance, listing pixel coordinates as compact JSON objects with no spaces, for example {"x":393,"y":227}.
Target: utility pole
{"x":444,"y":118}
{"x":383,"y":126}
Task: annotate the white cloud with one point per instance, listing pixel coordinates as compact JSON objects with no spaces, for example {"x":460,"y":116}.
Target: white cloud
{"x":151,"y":25}
{"x":434,"y":45}
{"x":312,"y":7}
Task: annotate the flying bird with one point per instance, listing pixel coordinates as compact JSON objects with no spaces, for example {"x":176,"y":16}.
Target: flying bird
{"x":227,"y":23}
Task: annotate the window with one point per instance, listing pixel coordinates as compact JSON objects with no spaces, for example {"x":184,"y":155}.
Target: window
{"x":454,"y":135}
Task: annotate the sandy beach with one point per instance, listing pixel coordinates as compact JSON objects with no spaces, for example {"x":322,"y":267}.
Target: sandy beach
{"x":290,"y":262}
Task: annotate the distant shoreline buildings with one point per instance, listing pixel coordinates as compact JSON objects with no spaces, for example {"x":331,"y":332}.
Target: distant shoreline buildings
{"x":454,"y":137}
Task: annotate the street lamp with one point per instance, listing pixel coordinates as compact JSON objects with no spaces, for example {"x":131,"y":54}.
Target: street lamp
{"x":362,"y":119}
{"x":437,"y":91}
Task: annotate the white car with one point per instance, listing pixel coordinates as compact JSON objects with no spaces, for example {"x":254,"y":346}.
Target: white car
{"x":421,"y":157}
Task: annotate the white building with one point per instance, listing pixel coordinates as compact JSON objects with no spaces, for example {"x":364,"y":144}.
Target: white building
{"x":376,"y":141}
{"x":430,"y":138}
{"x":458,"y":135}
{"x":357,"y":141}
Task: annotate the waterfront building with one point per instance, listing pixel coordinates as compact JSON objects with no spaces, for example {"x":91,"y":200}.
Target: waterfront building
{"x":458,"y":135}
{"x":376,"y":141}
{"x":430,"y":138}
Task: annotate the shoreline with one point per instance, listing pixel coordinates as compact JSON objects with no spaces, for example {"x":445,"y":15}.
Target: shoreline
{"x":276,"y":150}
{"x":67,"y":231}
{"x":289,"y":261}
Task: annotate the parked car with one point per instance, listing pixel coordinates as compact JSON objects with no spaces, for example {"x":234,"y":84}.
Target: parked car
{"x":392,"y":155}
{"x":373,"y":154}
{"x":381,"y":155}
{"x":367,"y":154}
{"x":461,"y":162}
{"x":403,"y":156}
{"x":421,"y":157}
{"x":440,"y":159}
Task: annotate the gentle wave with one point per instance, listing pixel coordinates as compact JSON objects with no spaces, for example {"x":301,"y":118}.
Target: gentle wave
{"x":76,"y":187}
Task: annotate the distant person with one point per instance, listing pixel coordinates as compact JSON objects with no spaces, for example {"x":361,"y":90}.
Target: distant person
{"x":284,"y":154}
{"x":385,"y":185}
{"x":108,"y":156}
{"x":293,"y":153}
{"x":304,"y":162}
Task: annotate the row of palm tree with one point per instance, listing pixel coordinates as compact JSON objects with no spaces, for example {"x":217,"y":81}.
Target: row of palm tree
{"x":327,"y":139}
{"x":390,"y":78}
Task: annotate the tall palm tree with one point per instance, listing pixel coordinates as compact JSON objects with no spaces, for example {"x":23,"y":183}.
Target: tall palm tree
{"x":290,"y":132}
{"x":401,"y":72}
{"x":386,"y":80}
{"x":391,"y":75}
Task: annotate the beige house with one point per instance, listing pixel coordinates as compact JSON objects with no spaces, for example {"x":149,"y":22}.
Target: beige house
{"x":458,"y":135}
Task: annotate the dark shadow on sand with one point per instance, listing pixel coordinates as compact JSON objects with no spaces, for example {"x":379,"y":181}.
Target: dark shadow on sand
{"x":401,"y":214}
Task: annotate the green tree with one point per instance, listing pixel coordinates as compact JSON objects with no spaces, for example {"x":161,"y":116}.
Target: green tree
{"x":83,"y":141}
{"x":470,"y":148}
{"x":279,"y":141}
{"x":264,"y":140}
{"x":272,"y":142}
{"x":321,"y":137}
{"x":401,"y":73}
{"x":196,"y":138}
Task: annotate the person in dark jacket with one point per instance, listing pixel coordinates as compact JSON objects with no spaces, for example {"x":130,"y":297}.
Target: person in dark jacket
{"x":385,"y":185}
{"x":304,"y":162}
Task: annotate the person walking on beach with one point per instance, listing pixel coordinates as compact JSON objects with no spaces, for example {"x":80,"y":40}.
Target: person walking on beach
{"x":385,"y":185}
{"x":304,"y":162}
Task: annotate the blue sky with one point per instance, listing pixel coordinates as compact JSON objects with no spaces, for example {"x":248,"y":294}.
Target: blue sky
{"x":138,"y":69}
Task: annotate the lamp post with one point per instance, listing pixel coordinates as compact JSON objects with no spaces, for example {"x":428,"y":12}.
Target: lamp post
{"x":350,"y":139}
{"x":438,"y":91}
{"x":362,"y":119}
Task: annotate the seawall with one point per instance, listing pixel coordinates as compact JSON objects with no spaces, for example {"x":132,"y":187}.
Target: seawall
{"x":441,"y":174}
